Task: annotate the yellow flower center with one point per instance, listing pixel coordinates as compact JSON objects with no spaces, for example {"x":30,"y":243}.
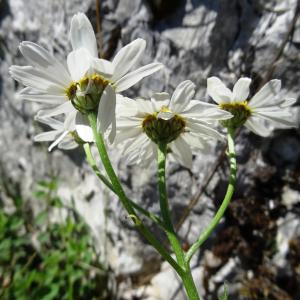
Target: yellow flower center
{"x":162,"y":131}
{"x":240,"y":111}
{"x":165,"y":109}
{"x":86,"y":93}
{"x":71,"y":90}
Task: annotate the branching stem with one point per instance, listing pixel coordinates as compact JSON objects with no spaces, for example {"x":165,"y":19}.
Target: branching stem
{"x":92,"y":116}
{"x":230,"y":189}
{"x":186,"y":277}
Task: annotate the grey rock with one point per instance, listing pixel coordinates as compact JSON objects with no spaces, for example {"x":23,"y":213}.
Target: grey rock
{"x":288,"y":228}
{"x":196,"y":40}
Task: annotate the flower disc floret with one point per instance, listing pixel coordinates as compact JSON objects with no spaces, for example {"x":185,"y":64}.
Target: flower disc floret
{"x":240,"y":111}
{"x":162,"y":131}
{"x":86,"y":93}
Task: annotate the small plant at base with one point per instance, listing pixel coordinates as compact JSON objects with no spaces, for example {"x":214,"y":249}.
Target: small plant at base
{"x":63,"y":266}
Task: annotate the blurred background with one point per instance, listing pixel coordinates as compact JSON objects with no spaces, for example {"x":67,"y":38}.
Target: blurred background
{"x":63,"y":236}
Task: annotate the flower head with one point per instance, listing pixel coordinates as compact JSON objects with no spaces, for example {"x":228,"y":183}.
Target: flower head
{"x":259,"y":113}
{"x":66,"y":135}
{"x":87,"y":83}
{"x":178,"y":121}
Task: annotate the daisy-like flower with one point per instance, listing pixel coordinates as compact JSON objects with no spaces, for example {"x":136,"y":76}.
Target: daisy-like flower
{"x":87,"y":83}
{"x":178,"y":121}
{"x":261,"y":113}
{"x":66,"y":135}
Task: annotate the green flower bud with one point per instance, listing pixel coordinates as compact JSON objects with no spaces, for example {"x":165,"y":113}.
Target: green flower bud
{"x":162,"y":131}
{"x":85,"y":94}
{"x":240,"y":111}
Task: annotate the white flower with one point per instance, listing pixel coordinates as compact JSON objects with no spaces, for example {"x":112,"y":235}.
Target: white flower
{"x":86,"y":79}
{"x":265,"y":110}
{"x":66,"y":135}
{"x":178,"y":121}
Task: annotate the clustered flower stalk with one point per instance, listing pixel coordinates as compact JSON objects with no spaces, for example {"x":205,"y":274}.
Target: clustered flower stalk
{"x":84,"y":106}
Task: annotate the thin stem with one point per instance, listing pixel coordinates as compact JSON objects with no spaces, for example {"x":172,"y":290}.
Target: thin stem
{"x":92,"y":163}
{"x":230,"y":189}
{"x":92,"y":116}
{"x":164,"y":206}
{"x":187,"y":278}
{"x":189,"y":284}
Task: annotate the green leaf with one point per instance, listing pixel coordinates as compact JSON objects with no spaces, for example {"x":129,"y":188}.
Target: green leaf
{"x":16,"y":223}
{"x":41,"y":218}
{"x":56,"y":202}
{"x":40,"y":194}
{"x":54,"y":291}
{"x":44,"y":237}
{"x":50,"y":185}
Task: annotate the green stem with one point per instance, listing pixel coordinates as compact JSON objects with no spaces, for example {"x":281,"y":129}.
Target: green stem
{"x":92,"y":116}
{"x":186,"y":277}
{"x":230,"y":189}
{"x":189,"y":285}
{"x":93,"y":165}
{"x":164,"y":206}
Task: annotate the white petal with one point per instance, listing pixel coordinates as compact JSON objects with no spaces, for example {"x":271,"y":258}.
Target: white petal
{"x":53,"y":123}
{"x":64,"y":108}
{"x":257,"y":126}
{"x":182,"y":152}
{"x":144,"y":106}
{"x":85,"y":132}
{"x":36,"y":79}
{"x":31,"y":95}
{"x":161,"y":97}
{"x":47,"y":136}
{"x":218,"y":91}
{"x":125,"y":106}
{"x":70,"y":120}
{"x":79,"y":61}
{"x":133,"y":157}
{"x":113,"y":131}
{"x":196,"y":142}
{"x":278,"y":117}
{"x":165,"y":115}
{"x":82,"y":34}
{"x":288,"y":102}
{"x":135,"y":144}
{"x":159,"y":100}
{"x":58,"y":140}
{"x":103,"y":66}
{"x":133,"y":77}
{"x":241,"y":89}
{"x":67,"y":144}
{"x":106,"y":109}
{"x":128,"y":122}
{"x":83,"y":128}
{"x":267,"y":95}
{"x":182,"y":96}
{"x":150,"y":155}
{"x":127,"y":134}
{"x":205,"y":111}
{"x":39,"y":57}
{"x":203,"y":129}
{"x":127,"y":57}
